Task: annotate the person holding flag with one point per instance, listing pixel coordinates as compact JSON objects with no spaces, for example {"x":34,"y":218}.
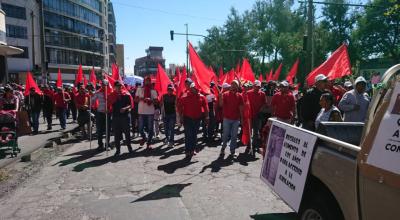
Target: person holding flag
{"x":146,"y":96}
{"x":102,"y":114}
{"x":61,"y":100}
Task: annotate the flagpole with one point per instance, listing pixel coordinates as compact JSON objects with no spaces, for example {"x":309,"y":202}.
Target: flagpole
{"x":106,"y":111}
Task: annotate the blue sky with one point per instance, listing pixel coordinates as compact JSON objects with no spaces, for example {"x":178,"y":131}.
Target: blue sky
{"x":141,"y":23}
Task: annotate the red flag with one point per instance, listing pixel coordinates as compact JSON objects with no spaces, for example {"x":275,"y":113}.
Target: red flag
{"x":277,"y":73}
{"x":84,"y":81}
{"x":79,"y":75}
{"x":260,"y":77}
{"x":246,"y":126}
{"x":292,"y":73}
{"x":30,"y":83}
{"x":115,"y":72}
{"x":177,"y":75}
{"x":246,"y":73}
{"x":270,"y":75}
{"x":336,"y":66}
{"x":181,"y":87}
{"x":230,"y":76}
{"x":92,"y":77}
{"x":162,"y":81}
{"x":237,"y":69}
{"x":59,"y":79}
{"x":111,"y":82}
{"x":202,"y":73}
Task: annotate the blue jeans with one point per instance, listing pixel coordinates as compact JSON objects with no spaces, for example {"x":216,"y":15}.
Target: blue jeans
{"x":230,"y":132}
{"x":62,"y":115}
{"x":191,"y":129}
{"x":35,"y":121}
{"x":146,"y":121}
{"x":169,"y":123}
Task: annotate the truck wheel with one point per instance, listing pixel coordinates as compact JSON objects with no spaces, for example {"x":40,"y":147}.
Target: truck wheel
{"x":321,"y":208}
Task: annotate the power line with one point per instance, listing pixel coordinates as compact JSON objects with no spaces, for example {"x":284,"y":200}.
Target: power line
{"x":165,"y":12}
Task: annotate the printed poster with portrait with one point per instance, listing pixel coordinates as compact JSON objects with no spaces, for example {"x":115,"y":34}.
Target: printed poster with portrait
{"x":287,"y":161}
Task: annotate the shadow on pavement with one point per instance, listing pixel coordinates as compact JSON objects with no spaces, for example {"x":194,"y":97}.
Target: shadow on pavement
{"x":275,"y":216}
{"x":174,"y":165}
{"x":167,"y":191}
{"x":216,"y":165}
{"x":81,"y":156}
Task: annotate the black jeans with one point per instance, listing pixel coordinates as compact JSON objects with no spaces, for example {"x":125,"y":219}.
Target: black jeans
{"x":48,"y":115}
{"x":121,"y":126}
{"x":191,"y":129}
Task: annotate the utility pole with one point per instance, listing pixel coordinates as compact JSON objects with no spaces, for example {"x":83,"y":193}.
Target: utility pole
{"x":309,"y":51}
{"x":187,"y":49}
{"x":42,"y":47}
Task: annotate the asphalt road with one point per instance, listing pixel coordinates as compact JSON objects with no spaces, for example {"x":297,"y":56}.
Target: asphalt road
{"x":157,"y":184}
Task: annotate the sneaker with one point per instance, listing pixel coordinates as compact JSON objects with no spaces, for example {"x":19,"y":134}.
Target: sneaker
{"x":148,"y":146}
{"x":222,"y":151}
{"x":141,"y":143}
{"x":130,"y":149}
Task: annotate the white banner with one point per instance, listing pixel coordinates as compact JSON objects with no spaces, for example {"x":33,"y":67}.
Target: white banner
{"x":385,"y":152}
{"x":287,"y":161}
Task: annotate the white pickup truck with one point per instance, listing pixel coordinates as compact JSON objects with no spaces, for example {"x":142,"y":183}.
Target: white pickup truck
{"x":343,"y":181}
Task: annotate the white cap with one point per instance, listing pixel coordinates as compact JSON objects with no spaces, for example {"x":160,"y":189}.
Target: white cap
{"x":235,"y":82}
{"x":226,"y":85}
{"x":284,"y":84}
{"x":320,"y":77}
{"x":257,"y":83}
{"x":360,"y":79}
{"x":348,"y":84}
{"x":192,"y":85}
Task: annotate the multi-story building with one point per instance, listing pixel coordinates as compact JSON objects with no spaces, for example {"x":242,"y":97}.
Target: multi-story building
{"x":112,"y":41}
{"x":120,"y":57}
{"x":147,"y":65}
{"x":23,"y":31}
{"x":76,"y":32}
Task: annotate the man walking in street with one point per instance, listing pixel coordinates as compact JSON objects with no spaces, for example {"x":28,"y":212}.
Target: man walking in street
{"x":146,"y":97}
{"x":103,"y":116}
{"x":258,"y":101}
{"x":232,"y":102}
{"x":283,"y":104}
{"x":169,"y":109}
{"x":82,"y":105}
{"x":61,"y":100}
{"x":193,"y":108}
{"x":33,"y":103}
{"x":121,"y":103}
{"x":48,"y":106}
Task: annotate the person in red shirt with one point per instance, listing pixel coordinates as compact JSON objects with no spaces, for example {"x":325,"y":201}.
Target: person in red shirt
{"x":232,"y":102}
{"x":82,"y":105}
{"x":193,"y":108}
{"x":61,"y":100}
{"x":258,"y":101}
{"x":283,"y":103}
{"x":71,"y":103}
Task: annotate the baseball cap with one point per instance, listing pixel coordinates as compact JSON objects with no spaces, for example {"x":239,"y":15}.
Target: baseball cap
{"x":320,"y":77}
{"x":226,"y":85}
{"x":192,"y":85}
{"x":170,"y":86}
{"x":257,"y":83}
{"x":348,"y":84}
{"x":360,"y":79}
{"x":284,"y":84}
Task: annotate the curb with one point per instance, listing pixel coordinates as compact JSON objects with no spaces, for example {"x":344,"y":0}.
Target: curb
{"x":50,"y":143}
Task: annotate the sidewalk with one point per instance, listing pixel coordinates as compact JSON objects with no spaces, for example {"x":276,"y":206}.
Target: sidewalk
{"x":30,"y":143}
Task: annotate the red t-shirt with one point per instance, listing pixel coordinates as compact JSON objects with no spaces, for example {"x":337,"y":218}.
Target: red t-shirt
{"x":59,"y":100}
{"x":257,"y":100}
{"x":283,"y":105}
{"x":80,"y":100}
{"x":193,"y":105}
{"x":231,"y":105}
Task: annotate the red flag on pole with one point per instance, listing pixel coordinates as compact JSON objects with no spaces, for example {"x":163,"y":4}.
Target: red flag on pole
{"x":270,"y":75}
{"x":177,"y":75}
{"x":181,"y":87}
{"x":277,"y":73}
{"x":84,"y":81}
{"x":292,"y":73}
{"x":59,"y":79}
{"x":162,"y":81}
{"x":336,"y":66}
{"x":260,"y":77}
{"x":115,"y":72}
{"x":201,"y":72}
{"x":92,"y":77}
{"x":79,"y":75}
{"x":246,"y":73}
{"x":30,"y":83}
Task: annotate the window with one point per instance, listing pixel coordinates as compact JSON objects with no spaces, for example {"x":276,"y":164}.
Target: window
{"x":61,"y":39}
{"x":59,"y":56}
{"x":14,"y":11}
{"x":25,"y":54}
{"x":16,"y":31}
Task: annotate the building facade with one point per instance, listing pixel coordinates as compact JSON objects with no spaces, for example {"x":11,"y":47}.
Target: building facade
{"x":120,"y":57}
{"x":112,"y":33}
{"x":76,"y":33}
{"x":147,"y":65}
{"x":23,"y":31}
